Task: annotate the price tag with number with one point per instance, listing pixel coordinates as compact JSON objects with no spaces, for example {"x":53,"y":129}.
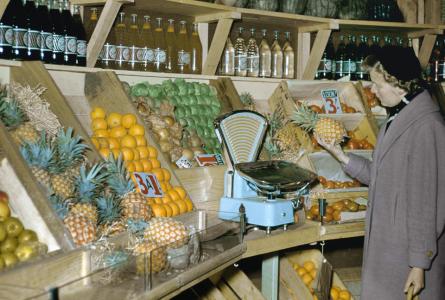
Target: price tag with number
{"x":148,"y":184}
{"x":332,"y":104}
{"x":183,"y":163}
{"x":206,"y":160}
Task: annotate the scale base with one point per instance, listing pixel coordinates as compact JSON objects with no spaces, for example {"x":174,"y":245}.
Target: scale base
{"x":260,"y":212}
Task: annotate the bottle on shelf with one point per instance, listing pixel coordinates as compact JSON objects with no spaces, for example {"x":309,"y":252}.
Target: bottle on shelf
{"x":441,"y":75}
{"x":288,"y":58}
{"x":350,"y":67}
{"x":107,"y":57}
{"x":433,"y":68}
{"x":135,"y":48}
{"x":253,"y":56}
{"x":148,"y":44}
{"x":170,"y":40}
{"x":240,"y":54}
{"x":196,"y":51}
{"x":265,"y":56}
{"x":183,"y":49}
{"x":19,"y":29}
{"x":326,"y":67}
{"x":57,"y":32}
{"x":362,"y":52}
{"x":277,"y":57}
{"x":44,"y":39}
{"x":122,"y":42}
{"x":92,"y":22}
{"x":160,"y":54}
{"x":81,"y":54}
{"x":228,"y":60}
{"x":6,"y":31}
{"x":32,"y":33}
{"x":340,"y":57}
{"x":70,"y":35}
{"x":375,"y":48}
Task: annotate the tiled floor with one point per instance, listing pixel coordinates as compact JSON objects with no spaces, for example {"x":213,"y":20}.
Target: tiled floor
{"x":351,"y":277}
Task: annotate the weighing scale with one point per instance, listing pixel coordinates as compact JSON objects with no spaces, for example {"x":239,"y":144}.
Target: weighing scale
{"x":269,"y":191}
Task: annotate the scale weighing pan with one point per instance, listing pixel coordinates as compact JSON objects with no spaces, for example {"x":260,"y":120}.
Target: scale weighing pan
{"x":276,"y":176}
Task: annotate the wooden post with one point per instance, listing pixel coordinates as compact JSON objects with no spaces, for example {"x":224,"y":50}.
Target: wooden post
{"x":317,"y":52}
{"x":217,"y":46}
{"x":425,"y":49}
{"x":421,"y":11}
{"x":409,"y":10}
{"x":432,"y":11}
{"x":3,"y":5}
{"x":270,"y":277}
{"x":303,"y":52}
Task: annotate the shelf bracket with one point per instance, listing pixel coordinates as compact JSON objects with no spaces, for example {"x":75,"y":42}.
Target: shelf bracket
{"x":321,"y":40}
{"x":217,"y":46}
{"x":421,"y":33}
{"x":3,"y":5}
{"x":426,"y":48}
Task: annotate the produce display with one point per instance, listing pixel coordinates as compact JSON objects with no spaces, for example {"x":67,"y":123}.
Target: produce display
{"x":345,"y":108}
{"x":17,"y":244}
{"x":332,"y":184}
{"x":371,"y":98}
{"x":334,"y":210}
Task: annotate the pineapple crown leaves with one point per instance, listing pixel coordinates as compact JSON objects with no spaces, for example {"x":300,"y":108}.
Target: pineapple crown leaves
{"x":114,"y":259}
{"x":39,"y":153}
{"x":118,"y":177}
{"x":10,"y":112}
{"x":109,"y":209}
{"x":136,"y":227}
{"x":304,"y":117}
{"x":60,"y":206}
{"x":70,"y":149}
{"x":90,"y":182}
{"x":246,"y":98}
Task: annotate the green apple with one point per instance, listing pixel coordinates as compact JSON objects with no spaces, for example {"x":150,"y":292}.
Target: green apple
{"x":8,"y":245}
{"x":10,"y":259}
{"x":13,"y":226}
{"x":25,"y":251}
{"x":27,"y":235}
{"x":3,"y":232}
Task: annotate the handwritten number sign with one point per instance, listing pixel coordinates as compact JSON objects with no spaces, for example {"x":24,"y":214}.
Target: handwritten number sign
{"x":148,"y":184}
{"x":332,"y":104}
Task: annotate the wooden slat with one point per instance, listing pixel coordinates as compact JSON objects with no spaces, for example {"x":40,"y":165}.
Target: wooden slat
{"x":425,"y":49}
{"x":217,"y":16}
{"x":409,"y":10}
{"x":3,"y":5}
{"x":320,"y":43}
{"x":96,"y":2}
{"x":241,"y":284}
{"x":317,"y":27}
{"x":101,"y":31}
{"x":303,"y":52}
{"x":217,"y":46}
{"x":421,"y":33}
{"x":208,"y":291}
{"x":421,"y":11}
{"x":433,"y":11}
{"x":231,"y":93}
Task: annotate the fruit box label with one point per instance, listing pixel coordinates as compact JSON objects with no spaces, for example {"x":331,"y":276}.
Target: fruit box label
{"x":206,"y":160}
{"x":332,"y":104}
{"x":148,"y":184}
{"x":183,"y":163}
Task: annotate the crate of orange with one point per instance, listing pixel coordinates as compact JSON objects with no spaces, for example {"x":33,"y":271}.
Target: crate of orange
{"x":121,"y":135}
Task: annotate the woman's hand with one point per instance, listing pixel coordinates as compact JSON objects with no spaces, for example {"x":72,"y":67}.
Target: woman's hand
{"x":416,"y":278}
{"x":334,"y":149}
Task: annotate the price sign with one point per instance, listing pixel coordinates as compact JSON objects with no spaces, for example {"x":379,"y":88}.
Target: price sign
{"x":206,"y":160}
{"x":148,"y":184}
{"x":183,"y":163}
{"x":331,"y":102}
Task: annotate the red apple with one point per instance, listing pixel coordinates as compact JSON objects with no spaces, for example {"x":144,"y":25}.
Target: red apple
{"x":4,"y":197}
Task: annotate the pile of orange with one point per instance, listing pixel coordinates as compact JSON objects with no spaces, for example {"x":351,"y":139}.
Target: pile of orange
{"x":116,"y":134}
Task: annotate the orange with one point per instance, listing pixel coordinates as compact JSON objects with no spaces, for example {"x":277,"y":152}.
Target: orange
{"x":166,"y":199}
{"x":159,"y":174}
{"x":313,"y":273}
{"x":95,"y":143}
{"x":114,"y":143}
{"x":301,"y":271}
{"x":158,"y":210}
{"x":344,"y":295}
{"x":153,"y":152}
{"x":136,"y":154}
{"x":189,"y":204}
{"x":105,"y":152}
{"x":138,"y":166}
{"x":146,"y":164}
{"x":180,"y":190}
{"x":174,"y":207}
{"x":140,"y":140}
{"x":182,"y":206}
{"x":164,"y":186}
{"x":127,"y":154}
{"x":116,"y":153}
{"x":118,"y":132}
{"x":97,"y":112}
{"x":114,"y":120}
{"x":143,"y":151}
{"x":100,"y":133}
{"x":334,"y":293}
{"x":155,"y":163}
{"x":103,"y":142}
{"x":99,"y":123}
{"x":136,"y":129}
{"x":174,"y":195}
{"x":307,"y":279}
{"x":168,"y":186}
{"x":128,"y":120}
{"x":167,"y":174}
{"x":309,"y":265}
{"x":168,"y":209}
{"x":128,"y":141}
{"x":158,"y":200}
{"x":130,"y":166}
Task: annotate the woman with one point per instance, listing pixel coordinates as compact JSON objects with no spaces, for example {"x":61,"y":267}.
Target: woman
{"x":404,"y":240}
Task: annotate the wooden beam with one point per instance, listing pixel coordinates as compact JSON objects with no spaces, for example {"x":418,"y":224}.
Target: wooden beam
{"x":217,"y":46}
{"x":304,"y":51}
{"x":218,"y":16}
{"x":421,"y":33}
{"x":241,"y":284}
{"x":313,"y":28}
{"x":432,"y":11}
{"x":425,"y":49}
{"x":421,"y":11}
{"x":96,"y":2}
{"x":318,"y":48}
{"x":102,"y":30}
{"x":3,"y":5}
{"x":409,"y":10}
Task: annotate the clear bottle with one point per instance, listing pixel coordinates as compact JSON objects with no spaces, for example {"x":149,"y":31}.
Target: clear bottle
{"x":70,"y":36}
{"x":183,"y":47}
{"x":265,"y":56}
{"x":196,"y":51}
{"x":32,"y":31}
{"x":45,"y":38}
{"x":109,"y":52}
{"x":147,"y":43}
{"x":81,"y":59}
{"x":253,"y":56}
{"x":135,"y":46}
{"x":122,"y":50}
{"x":228,"y":60}
{"x":92,"y":22}
{"x":240,"y":54}
{"x":277,"y":57}
{"x":289,"y":58}
{"x":160,"y":54}
{"x":326,"y":67}
{"x":170,"y":40}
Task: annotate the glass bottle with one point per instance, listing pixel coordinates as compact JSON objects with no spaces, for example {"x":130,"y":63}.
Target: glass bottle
{"x":92,"y":22}
{"x":70,"y":36}
{"x":147,"y":43}
{"x":134,"y":44}
{"x":228,"y":60}
{"x":288,"y":58}
{"x":350,"y":67}
{"x":57,"y":32}
{"x":160,"y":54}
{"x":109,"y":52}
{"x":32,"y":33}
{"x":44,"y":41}
{"x":81,"y":54}
{"x":362,"y":52}
{"x":277,"y":57}
{"x":196,"y":51}
{"x":18,"y":29}
{"x":265,"y":56}
{"x":326,"y":67}
{"x":122,"y":50}
{"x":340,"y":57}
{"x":375,"y":48}
{"x":240,"y":54}
{"x":253,"y":56}
{"x":432,"y":71}
{"x":6,"y":32}
{"x":170,"y":40}
{"x":183,"y":47}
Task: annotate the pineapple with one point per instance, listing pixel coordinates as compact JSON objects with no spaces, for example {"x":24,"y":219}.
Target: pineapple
{"x":327,"y":129}
{"x":134,"y":205}
{"x":248,"y":101}
{"x":110,"y":210}
{"x":150,"y":257}
{"x":166,"y":232}
{"x":16,"y":121}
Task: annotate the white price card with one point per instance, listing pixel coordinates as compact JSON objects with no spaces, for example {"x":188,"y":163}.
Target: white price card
{"x":148,"y":184}
{"x":184,"y":163}
{"x":332,"y":103}
{"x":206,"y":160}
